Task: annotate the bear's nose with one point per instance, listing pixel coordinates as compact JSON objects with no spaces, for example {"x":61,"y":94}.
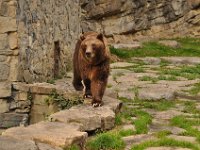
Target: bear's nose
{"x":88,"y":54}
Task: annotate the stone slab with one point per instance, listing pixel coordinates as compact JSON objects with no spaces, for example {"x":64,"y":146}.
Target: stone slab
{"x":156,"y":94}
{"x":91,"y":118}
{"x":53,"y":133}
{"x":7,"y":143}
{"x":8,"y":120}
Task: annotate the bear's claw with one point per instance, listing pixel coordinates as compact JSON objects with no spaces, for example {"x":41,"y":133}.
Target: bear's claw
{"x":97,"y":104}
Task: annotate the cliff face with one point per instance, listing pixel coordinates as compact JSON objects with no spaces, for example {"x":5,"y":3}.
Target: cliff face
{"x":127,"y":20}
{"x":37,"y":37}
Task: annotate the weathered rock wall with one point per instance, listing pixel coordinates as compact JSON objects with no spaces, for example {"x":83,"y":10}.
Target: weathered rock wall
{"x":47,"y":31}
{"x":128,"y":20}
{"x":9,"y":49}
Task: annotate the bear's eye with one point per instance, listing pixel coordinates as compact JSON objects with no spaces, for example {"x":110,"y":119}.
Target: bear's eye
{"x":94,"y":46}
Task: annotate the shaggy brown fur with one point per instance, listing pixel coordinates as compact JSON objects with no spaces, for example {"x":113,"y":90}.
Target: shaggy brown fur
{"x":91,"y":66}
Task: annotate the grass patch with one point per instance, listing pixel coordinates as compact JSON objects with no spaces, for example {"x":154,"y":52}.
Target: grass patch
{"x":162,"y":134}
{"x":166,"y":142}
{"x":168,"y":78}
{"x":189,"y":72}
{"x":126,"y":132}
{"x":119,"y":74}
{"x":118,"y":119}
{"x":148,"y":78}
{"x":160,"y":77}
{"x":195,"y":90}
{"x":161,"y":105}
{"x":73,"y":147}
{"x":183,"y":122}
{"x":190,"y":107}
{"x":189,"y":47}
{"x":142,"y":121}
{"x":109,"y":141}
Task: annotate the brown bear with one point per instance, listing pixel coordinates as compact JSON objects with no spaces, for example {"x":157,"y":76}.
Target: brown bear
{"x":91,"y":66}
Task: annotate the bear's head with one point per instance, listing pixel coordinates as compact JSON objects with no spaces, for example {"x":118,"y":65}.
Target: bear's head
{"x":94,"y":48}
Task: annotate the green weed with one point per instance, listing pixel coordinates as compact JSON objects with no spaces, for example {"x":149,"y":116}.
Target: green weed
{"x":61,"y":102}
{"x":106,"y":141}
{"x":142,"y":121}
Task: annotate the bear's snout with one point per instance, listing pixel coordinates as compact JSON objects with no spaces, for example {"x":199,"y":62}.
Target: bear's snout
{"x":88,"y":54}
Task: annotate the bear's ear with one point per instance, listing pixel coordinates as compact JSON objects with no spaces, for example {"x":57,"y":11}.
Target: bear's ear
{"x":100,"y":36}
{"x":82,"y":37}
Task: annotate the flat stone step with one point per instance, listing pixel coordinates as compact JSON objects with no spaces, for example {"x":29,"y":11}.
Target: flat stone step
{"x":91,"y":118}
{"x":53,"y":133}
{"x":8,"y":143}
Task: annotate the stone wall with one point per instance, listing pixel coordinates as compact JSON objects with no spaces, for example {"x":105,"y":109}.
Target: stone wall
{"x":8,"y":41}
{"x":47,"y":31}
{"x":37,"y":38}
{"x":129,"y":20}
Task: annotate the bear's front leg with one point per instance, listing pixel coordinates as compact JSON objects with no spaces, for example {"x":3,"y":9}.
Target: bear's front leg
{"x":86,"y":89}
{"x":97,"y":89}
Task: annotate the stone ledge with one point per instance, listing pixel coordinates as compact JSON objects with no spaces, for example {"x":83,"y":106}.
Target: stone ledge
{"x":53,"y":133}
{"x":91,"y":118}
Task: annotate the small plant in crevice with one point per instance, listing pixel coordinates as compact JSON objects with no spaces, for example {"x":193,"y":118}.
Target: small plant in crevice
{"x":61,"y":102}
{"x":51,"y":81}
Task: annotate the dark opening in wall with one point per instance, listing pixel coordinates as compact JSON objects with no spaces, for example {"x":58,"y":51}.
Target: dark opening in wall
{"x":56,"y":58}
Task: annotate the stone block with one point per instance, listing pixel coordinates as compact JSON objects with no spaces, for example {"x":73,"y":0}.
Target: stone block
{"x":8,"y":120}
{"x":20,"y":86}
{"x":3,"y":41}
{"x":91,"y":118}
{"x":4,"y":106}
{"x":7,"y":24}
{"x":5,"y":89}
{"x":22,"y":96}
{"x":41,"y":112}
{"x":8,"y":8}
{"x":14,"y":68}
{"x":5,"y":71}
{"x":6,"y":52}
{"x":2,"y":58}
{"x":12,"y":40}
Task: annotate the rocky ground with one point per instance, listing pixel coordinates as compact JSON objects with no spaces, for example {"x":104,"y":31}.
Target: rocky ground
{"x":161,"y":108}
{"x":161,"y":111}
